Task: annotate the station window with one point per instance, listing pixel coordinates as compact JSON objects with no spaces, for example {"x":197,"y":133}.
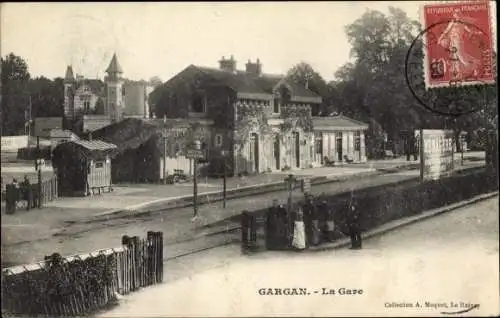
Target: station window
{"x":357,"y":141}
{"x":218,"y":140}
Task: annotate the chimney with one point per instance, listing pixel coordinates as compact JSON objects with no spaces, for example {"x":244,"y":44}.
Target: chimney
{"x":90,"y":136}
{"x":254,"y":68}
{"x":308,"y":77}
{"x":228,"y":65}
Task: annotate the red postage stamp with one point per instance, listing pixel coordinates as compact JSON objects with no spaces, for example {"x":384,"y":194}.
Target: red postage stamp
{"x":458,"y":44}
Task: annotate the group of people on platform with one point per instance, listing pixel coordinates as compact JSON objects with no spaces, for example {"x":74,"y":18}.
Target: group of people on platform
{"x":16,"y":192}
{"x":309,"y":224}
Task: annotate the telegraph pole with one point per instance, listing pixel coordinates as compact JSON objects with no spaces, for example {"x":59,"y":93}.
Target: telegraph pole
{"x":195,"y":154}
{"x":224,"y":154}
{"x":165,"y":149}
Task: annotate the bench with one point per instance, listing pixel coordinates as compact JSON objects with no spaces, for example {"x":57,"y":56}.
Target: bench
{"x":328,"y":162}
{"x":100,"y":190}
{"x":348,"y":159}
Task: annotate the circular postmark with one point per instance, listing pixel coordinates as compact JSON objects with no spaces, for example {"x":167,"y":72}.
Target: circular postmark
{"x":450,"y":83}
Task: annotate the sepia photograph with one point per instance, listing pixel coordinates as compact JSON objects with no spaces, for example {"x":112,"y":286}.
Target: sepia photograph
{"x":249,"y":159}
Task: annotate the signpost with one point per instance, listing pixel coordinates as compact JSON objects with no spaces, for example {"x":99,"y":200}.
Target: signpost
{"x":305,"y":185}
{"x":164,"y":149}
{"x":437,"y":157}
{"x":195,"y":154}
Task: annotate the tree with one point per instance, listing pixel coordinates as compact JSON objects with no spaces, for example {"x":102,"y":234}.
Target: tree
{"x":372,"y":87}
{"x":15,"y":97}
{"x":47,"y":97}
{"x":304,"y":75}
{"x":155,"y":81}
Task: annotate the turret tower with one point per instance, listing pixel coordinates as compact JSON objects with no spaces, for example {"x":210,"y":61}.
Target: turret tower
{"x":114,"y":90}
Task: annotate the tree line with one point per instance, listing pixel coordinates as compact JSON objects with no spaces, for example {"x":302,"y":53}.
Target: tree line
{"x":24,"y":97}
{"x":371,"y":87}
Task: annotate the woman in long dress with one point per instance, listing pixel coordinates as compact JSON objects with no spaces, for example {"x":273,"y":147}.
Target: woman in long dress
{"x":299,"y":232}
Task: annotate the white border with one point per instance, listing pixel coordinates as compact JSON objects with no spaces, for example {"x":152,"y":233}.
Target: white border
{"x":424,"y":41}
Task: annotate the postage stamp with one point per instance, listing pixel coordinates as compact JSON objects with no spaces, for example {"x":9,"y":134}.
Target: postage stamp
{"x":458,"y":46}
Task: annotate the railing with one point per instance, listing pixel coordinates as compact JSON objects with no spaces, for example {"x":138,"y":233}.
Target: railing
{"x":81,"y":284}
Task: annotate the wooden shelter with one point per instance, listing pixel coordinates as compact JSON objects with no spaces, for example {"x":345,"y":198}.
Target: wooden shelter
{"x":83,"y":167}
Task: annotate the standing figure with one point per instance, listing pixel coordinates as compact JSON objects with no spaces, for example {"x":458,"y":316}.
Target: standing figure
{"x":311,"y":221}
{"x":299,"y":235}
{"x":353,"y":224}
{"x":330,"y":222}
{"x":15,"y":186}
{"x":276,"y":227}
{"x":282,"y":239}
{"x":27,"y":192}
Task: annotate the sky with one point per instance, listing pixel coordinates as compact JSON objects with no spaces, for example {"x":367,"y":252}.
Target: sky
{"x":161,"y":39}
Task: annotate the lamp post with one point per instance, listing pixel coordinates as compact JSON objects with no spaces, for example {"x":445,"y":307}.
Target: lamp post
{"x":165,"y":149}
{"x":197,"y":147}
{"x":38,"y":167}
{"x":224,"y":154}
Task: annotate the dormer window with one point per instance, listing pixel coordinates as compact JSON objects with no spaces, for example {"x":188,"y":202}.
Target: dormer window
{"x":198,"y":103}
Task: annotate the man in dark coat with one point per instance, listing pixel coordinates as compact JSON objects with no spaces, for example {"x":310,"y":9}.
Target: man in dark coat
{"x":271,"y":226}
{"x":353,"y":224}
{"x":27,"y":192}
{"x":276,"y":226}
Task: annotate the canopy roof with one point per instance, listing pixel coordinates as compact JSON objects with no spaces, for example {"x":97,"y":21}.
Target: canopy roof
{"x":336,"y":123}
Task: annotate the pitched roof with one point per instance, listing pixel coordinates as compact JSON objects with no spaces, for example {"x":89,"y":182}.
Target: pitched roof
{"x":114,"y":66}
{"x":129,"y":133}
{"x":94,"y":122}
{"x":244,"y":82}
{"x":69,"y":77}
{"x":93,"y":145}
{"x":60,"y":133}
{"x":96,"y":85}
{"x":339,"y":122}
{"x":64,"y":154}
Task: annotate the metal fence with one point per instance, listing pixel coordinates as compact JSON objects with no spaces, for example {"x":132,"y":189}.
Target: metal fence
{"x":82,"y":284}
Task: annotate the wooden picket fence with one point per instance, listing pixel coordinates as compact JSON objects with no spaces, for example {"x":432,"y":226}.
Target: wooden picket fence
{"x":82,"y":284}
{"x":49,"y":189}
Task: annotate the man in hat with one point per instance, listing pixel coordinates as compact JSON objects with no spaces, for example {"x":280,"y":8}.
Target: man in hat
{"x":271,"y":226}
{"x":353,"y":224}
{"x":27,"y":193}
